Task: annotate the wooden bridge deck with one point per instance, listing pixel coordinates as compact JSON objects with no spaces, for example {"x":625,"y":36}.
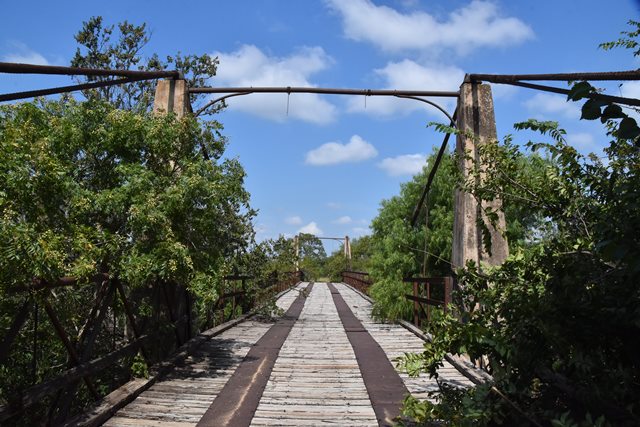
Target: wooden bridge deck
{"x":315,"y":380}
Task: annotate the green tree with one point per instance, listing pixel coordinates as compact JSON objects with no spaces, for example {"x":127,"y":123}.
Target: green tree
{"x":266,"y":260}
{"x":104,"y":186}
{"x":86,"y":188}
{"x":399,"y":251}
{"x":312,"y":255}
{"x":120,"y":48}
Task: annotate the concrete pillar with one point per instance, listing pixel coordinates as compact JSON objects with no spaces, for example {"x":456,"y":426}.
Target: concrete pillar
{"x":347,"y":251}
{"x":475,"y":117}
{"x":172,"y":96}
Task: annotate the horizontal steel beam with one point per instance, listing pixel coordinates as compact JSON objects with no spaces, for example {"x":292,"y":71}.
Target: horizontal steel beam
{"x":607,"y":75}
{"x":16,"y":68}
{"x":327,"y":91}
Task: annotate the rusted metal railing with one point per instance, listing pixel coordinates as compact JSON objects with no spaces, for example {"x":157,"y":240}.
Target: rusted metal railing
{"x":429,"y":292}
{"x":237,"y":299}
{"x":72,"y":353}
{"x":91,"y":339}
{"x":358,"y":279}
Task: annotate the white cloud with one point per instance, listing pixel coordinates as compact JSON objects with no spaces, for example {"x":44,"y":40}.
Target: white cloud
{"x":311,"y":228}
{"x":343,"y":220}
{"x":543,"y":104}
{"x":23,"y":54}
{"x":479,"y":24}
{"x":293,"y":220}
{"x":334,"y":205}
{"x":249,"y":66}
{"x":407,"y":164}
{"x":408,"y":74}
{"x":331,"y":153}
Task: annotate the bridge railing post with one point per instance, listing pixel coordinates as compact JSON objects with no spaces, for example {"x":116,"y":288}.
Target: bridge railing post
{"x":416,"y":305}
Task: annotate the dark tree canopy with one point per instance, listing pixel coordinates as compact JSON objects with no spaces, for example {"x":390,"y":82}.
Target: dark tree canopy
{"x":121,"y":47}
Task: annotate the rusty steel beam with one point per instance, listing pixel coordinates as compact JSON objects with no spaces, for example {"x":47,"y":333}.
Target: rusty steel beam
{"x":66,"y":89}
{"x":516,"y":80}
{"x":599,"y":75}
{"x":18,"y":68}
{"x":39,"y":284}
{"x":432,"y":173}
{"x":73,"y":355}
{"x":326,"y":91}
{"x":20,"y":318}
{"x":129,"y":313}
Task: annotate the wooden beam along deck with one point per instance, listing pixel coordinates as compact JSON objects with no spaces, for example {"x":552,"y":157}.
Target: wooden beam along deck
{"x":331,"y":367}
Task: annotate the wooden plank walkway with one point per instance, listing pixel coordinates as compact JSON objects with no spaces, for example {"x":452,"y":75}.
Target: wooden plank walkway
{"x":316,"y":379}
{"x":181,"y":398}
{"x":395,"y":341}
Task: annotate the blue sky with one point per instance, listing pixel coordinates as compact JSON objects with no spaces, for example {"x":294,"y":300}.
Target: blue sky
{"x":325,"y":166}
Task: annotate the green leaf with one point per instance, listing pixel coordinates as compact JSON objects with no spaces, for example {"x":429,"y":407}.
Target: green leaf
{"x":628,"y":129}
{"x":612,"y":111}
{"x":591,"y":109}
{"x":579,"y":91}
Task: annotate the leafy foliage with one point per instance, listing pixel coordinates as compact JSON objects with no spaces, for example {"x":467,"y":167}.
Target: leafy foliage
{"x":87,"y":187}
{"x":400,"y":251}
{"x":312,"y":256}
{"x":265,"y":261}
{"x":559,"y":320}
{"x":103,"y":186}
{"x":99,"y":48}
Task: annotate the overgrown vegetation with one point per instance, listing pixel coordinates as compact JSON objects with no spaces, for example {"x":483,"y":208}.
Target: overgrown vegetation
{"x":399,"y":250}
{"x":558,"y":322}
{"x":102,"y":186}
{"x":87,"y":188}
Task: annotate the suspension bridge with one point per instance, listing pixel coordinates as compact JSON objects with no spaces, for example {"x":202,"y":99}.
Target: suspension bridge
{"x":325,"y":361}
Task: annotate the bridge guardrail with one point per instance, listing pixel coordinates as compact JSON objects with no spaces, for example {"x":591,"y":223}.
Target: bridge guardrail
{"x":54,"y":346}
{"x":358,"y":279}
{"x":428,"y":292}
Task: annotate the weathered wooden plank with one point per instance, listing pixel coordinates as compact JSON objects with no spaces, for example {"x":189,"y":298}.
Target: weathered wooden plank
{"x":221,"y":347}
{"x":132,"y":422}
{"x":395,"y":340}
{"x":316,"y":379}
